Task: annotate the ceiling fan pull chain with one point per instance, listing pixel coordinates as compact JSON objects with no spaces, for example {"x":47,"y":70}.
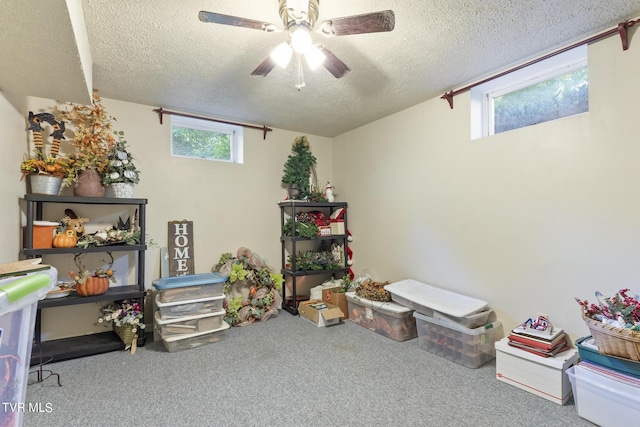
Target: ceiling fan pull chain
{"x":299,"y":74}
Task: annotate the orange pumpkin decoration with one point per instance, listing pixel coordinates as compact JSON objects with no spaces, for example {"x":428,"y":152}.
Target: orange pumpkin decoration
{"x":93,"y":285}
{"x":67,"y":239}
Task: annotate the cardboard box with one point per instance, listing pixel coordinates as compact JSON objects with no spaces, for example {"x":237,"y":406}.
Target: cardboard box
{"x":543,"y":376}
{"x":333,"y":296}
{"x":329,"y":316}
{"x":337,"y":226}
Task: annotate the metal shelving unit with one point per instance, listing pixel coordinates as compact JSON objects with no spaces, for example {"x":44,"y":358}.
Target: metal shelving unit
{"x":289,"y":209}
{"x":86,"y":345}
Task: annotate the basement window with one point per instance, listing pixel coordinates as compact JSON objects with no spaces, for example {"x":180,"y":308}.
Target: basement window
{"x":551,"y":89}
{"x":204,"y":139}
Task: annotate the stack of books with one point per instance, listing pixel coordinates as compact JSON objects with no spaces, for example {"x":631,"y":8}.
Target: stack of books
{"x":545,"y":343}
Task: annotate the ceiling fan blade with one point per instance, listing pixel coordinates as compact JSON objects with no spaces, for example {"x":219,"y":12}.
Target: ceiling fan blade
{"x":333,"y":64}
{"x":218,"y":18}
{"x":264,"y":68}
{"x":376,"y":22}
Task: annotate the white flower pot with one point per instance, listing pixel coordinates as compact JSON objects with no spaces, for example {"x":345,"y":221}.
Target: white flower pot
{"x":122,"y":190}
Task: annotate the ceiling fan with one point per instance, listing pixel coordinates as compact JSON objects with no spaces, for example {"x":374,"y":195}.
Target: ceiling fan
{"x":299,"y":18}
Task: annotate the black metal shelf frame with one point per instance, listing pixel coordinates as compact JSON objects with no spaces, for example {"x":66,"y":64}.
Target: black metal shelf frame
{"x":290,"y":208}
{"x":69,"y":348}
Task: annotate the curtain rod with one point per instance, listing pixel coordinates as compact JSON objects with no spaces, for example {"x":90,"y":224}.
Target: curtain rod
{"x":162,"y":111}
{"x":620,"y":29}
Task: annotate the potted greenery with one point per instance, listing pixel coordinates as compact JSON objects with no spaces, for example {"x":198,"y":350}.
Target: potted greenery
{"x":298,"y":169}
{"x":93,"y":140}
{"x":121,"y":174}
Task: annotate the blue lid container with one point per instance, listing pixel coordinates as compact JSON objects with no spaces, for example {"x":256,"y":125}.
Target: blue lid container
{"x":202,"y":279}
{"x":589,"y":351}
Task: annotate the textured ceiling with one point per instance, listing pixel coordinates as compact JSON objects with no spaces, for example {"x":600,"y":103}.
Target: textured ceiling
{"x":157,"y":52}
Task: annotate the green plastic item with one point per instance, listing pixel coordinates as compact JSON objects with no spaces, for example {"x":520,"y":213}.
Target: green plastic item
{"x":24,"y":286}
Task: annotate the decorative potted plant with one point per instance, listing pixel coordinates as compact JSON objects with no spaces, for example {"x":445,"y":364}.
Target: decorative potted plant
{"x":299,"y":168}
{"x":46,"y":171}
{"x":93,"y":140}
{"x":121,"y":173}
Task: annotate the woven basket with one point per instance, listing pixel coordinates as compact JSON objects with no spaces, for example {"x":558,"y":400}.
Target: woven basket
{"x":612,"y":341}
{"x":125,"y":333}
{"x":89,"y":184}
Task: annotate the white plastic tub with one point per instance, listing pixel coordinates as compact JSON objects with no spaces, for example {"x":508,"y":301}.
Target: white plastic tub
{"x":192,"y":286}
{"x":426,"y":299}
{"x":390,"y":319}
{"x":177,"y":343}
{"x":468,"y":347}
{"x":605,"y":397}
{"x":189,"y":324}
{"x":194,"y":307}
{"x":18,"y":306}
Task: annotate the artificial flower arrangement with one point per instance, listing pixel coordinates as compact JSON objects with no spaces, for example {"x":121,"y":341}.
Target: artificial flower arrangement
{"x":121,"y":169}
{"x":127,"y":318}
{"x":122,"y":313}
{"x":620,"y":310}
{"x":93,"y":136}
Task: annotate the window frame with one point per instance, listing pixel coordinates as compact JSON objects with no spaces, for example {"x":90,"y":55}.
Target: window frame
{"x":482,"y":118}
{"x":235,"y":133}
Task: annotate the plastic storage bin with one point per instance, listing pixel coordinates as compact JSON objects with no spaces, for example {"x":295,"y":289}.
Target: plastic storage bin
{"x":194,"y":307}
{"x":426,"y":299}
{"x":588,"y":350}
{"x":386,"y":318}
{"x":468,"y":347}
{"x":193,"y":286}
{"x":177,"y":343}
{"x":605,"y":397}
{"x":18,"y":306}
{"x":189,"y":324}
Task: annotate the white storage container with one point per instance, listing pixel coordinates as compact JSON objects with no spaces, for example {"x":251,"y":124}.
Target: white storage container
{"x":426,"y":299}
{"x":604,"y":396}
{"x":392,"y":320}
{"x":176,"y":343}
{"x":18,"y":306}
{"x":468,"y":347}
{"x":194,"y":307}
{"x":189,"y":324}
{"x":192,"y":286}
{"x":543,"y":376}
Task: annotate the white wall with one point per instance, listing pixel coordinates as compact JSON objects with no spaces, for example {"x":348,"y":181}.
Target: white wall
{"x":526,"y":220}
{"x":13,"y":146}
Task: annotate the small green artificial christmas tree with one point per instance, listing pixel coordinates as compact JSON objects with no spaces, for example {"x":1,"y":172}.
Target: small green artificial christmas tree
{"x":299,"y":166}
{"x":121,"y":168}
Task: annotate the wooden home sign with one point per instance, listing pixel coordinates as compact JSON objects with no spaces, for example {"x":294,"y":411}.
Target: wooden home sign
{"x":180,"y":239}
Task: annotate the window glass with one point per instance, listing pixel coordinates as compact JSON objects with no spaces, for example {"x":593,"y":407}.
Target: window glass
{"x":551,"y":89}
{"x":203,"y":139}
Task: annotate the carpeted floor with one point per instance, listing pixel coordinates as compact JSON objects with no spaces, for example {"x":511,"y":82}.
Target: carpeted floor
{"x":286,"y":371}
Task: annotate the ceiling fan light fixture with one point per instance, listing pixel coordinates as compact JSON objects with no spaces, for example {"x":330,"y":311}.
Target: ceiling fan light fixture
{"x":281,"y":55}
{"x":298,"y":9}
{"x":301,"y":39}
{"x":314,"y":57}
